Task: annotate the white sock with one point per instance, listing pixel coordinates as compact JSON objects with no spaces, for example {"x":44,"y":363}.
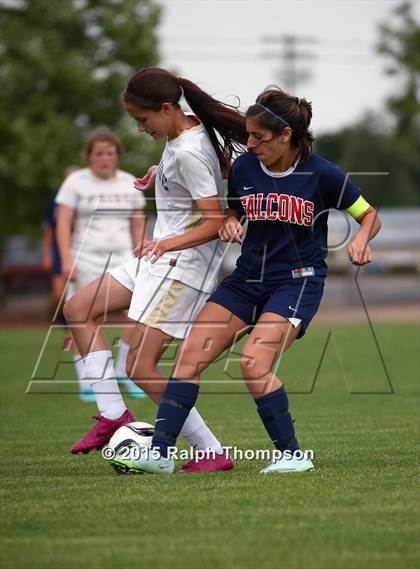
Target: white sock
{"x":121,"y":359}
{"x":198,"y":434}
{"x":99,"y":370}
{"x":79,"y":367}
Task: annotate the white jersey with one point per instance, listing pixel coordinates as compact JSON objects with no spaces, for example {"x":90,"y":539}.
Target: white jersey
{"x":189,"y":170}
{"x":103,"y":208}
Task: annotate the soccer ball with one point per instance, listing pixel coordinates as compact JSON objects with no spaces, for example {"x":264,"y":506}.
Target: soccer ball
{"x":127,"y":441}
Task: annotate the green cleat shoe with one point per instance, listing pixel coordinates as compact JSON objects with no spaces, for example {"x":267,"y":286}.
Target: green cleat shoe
{"x":146,"y":462}
{"x":122,"y":466}
{"x":289,"y":464}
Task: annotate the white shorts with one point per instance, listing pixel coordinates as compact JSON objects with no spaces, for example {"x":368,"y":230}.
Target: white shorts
{"x":126,"y":273}
{"x":90,"y":266}
{"x":160,"y":302}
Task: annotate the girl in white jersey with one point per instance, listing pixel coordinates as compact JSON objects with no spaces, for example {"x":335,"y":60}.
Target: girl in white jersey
{"x":179,"y":267}
{"x":99,"y":218}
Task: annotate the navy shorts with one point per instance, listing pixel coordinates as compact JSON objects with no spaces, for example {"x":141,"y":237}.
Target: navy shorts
{"x":289,"y":297}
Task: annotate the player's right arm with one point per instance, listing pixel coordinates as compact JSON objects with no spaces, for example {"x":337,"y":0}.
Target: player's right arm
{"x":211,"y":220}
{"x":232,"y":229}
{"x":65,"y":215}
{"x":148,"y":181}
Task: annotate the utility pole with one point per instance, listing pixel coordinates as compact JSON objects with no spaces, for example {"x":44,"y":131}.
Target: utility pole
{"x":291,"y":74}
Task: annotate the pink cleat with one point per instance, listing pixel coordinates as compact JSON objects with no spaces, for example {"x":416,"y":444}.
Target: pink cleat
{"x":99,"y":434}
{"x":207,"y":464}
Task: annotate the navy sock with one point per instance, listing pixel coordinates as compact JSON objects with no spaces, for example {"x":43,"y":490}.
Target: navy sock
{"x":274,"y":412}
{"x":176,"y":403}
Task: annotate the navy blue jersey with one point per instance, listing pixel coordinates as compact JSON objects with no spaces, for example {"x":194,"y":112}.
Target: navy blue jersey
{"x":287,"y":214}
{"x":50,"y":218}
{"x":50,"y":221}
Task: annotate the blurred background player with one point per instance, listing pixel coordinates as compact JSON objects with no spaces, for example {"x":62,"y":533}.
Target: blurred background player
{"x":99,"y":220}
{"x":284,"y":191}
{"x":182,"y":261}
{"x":51,"y":261}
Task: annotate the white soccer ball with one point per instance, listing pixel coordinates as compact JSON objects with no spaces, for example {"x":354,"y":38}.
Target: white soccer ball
{"x":138,"y":432}
{"x":127,"y":441}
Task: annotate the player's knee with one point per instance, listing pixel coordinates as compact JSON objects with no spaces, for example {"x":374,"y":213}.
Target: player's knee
{"x":81,"y":307}
{"x":252,"y":367}
{"x":71,"y":310}
{"x":75,"y":310}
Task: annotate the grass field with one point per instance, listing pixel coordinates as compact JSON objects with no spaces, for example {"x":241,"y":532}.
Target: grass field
{"x":358,"y":509}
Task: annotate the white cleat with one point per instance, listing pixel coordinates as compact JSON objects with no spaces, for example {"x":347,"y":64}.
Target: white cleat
{"x":289,"y":464}
{"x":148,"y":461}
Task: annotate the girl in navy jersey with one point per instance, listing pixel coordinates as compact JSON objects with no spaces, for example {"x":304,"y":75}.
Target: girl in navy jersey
{"x":284,"y":191}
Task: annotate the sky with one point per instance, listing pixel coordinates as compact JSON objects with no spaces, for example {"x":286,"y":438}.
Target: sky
{"x":234,"y":47}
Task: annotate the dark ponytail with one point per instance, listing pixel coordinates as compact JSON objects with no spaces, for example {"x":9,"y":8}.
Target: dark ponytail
{"x":225,"y":125}
{"x":276,"y":109}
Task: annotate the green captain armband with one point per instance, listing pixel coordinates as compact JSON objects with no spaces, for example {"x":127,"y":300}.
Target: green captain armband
{"x":359,"y":207}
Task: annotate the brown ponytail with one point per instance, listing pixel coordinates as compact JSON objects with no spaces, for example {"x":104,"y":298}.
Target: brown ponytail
{"x":276,"y":109}
{"x":151,"y":87}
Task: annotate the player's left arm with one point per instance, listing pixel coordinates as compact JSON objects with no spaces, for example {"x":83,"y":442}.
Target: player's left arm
{"x":358,"y":249}
{"x":47,"y":247}
{"x":211,"y":221}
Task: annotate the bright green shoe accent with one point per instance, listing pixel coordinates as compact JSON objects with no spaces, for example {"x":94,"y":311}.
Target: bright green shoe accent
{"x":291,"y":464}
{"x":122,"y":466}
{"x":145,"y":463}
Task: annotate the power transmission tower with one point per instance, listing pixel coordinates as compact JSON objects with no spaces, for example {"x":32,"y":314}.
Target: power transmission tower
{"x":291,"y":73}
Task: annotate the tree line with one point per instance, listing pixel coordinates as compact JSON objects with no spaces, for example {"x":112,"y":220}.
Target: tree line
{"x":62,"y":67}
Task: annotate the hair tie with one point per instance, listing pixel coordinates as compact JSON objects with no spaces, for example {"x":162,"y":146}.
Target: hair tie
{"x":273,"y":113}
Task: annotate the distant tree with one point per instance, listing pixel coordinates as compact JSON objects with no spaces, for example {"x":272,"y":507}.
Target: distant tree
{"x":367,"y":149}
{"x":370,"y":145}
{"x":400,"y":42}
{"x":63,"y":65}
